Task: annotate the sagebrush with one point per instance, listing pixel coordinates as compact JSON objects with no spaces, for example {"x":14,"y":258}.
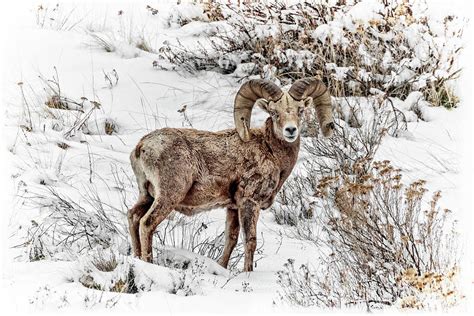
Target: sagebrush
{"x":376,"y":230}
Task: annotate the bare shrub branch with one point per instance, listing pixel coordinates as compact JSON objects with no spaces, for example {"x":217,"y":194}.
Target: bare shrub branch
{"x":70,"y":227}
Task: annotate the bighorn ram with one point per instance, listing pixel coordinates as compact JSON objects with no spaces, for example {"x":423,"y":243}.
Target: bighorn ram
{"x":242,"y":169}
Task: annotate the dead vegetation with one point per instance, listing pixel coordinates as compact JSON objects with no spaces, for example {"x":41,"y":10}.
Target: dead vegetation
{"x":393,"y":53}
{"x":56,"y":17}
{"x":110,"y":127}
{"x":104,"y":272}
{"x":70,"y":227}
{"x":377,"y":230}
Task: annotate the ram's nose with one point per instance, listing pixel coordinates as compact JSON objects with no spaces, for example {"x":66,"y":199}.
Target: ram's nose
{"x":290,"y":130}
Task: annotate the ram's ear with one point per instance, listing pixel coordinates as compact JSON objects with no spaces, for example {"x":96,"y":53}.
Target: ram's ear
{"x":308,"y":102}
{"x":263,"y":104}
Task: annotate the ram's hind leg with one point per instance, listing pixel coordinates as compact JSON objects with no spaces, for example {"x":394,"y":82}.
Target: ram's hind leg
{"x":145,"y":200}
{"x":134,"y":215}
{"x":148,"y":223}
{"x":166,"y":198}
{"x":231,"y":235}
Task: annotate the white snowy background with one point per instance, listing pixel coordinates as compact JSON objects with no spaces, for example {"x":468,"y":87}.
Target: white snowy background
{"x":144,"y":98}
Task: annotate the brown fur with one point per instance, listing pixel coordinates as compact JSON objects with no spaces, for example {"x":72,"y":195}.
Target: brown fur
{"x":191,"y":171}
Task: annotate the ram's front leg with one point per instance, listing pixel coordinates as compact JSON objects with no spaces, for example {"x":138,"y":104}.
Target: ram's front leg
{"x":248,"y":217}
{"x":231,"y":235}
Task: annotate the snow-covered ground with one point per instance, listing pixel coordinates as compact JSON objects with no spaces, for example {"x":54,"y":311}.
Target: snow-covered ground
{"x":144,"y":98}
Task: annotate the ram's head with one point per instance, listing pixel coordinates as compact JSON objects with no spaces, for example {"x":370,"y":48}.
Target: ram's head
{"x":285,"y":108}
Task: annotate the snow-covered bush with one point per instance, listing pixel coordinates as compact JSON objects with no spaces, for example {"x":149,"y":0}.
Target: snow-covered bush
{"x":189,"y":280}
{"x":183,"y":14}
{"x":104,"y":270}
{"x":377,"y":231}
{"x":358,"y":47}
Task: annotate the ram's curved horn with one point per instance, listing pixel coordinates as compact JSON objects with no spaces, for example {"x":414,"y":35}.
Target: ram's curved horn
{"x":245,"y":99}
{"x":314,"y":88}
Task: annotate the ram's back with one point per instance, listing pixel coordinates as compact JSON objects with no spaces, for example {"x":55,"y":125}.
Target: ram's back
{"x":189,"y":150}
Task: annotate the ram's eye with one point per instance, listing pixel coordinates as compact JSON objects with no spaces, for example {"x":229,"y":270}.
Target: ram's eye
{"x":274,"y":114}
{"x":301,"y":110}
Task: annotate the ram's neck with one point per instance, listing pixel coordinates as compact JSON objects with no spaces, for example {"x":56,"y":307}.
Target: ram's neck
{"x":287,"y":153}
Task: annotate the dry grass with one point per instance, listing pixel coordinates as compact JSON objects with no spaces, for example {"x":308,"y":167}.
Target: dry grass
{"x":63,"y":145}
{"x":441,"y":95}
{"x":121,"y":284}
{"x":144,"y":45}
{"x":110,"y":127}
{"x":55,"y":102}
{"x":103,"y":41}
{"x":430,"y":288}
{"x":105,"y":262}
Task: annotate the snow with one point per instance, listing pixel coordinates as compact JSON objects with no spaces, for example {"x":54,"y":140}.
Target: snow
{"x":437,"y":149}
{"x":332,"y":31}
{"x":366,"y":10}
